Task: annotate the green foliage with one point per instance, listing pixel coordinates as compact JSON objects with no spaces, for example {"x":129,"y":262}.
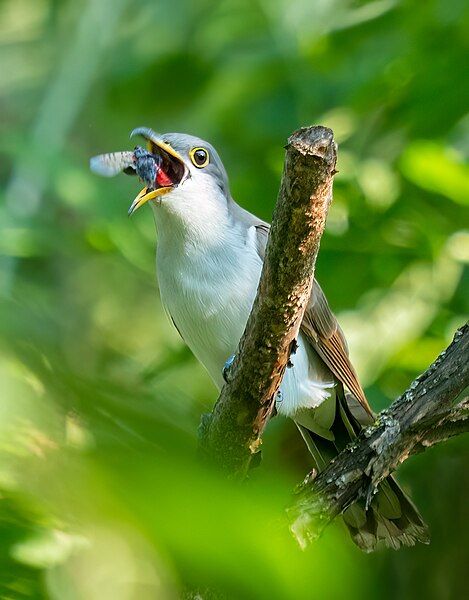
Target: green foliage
{"x":100,"y":492}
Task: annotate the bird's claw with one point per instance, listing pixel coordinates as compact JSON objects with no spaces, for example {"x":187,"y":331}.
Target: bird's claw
{"x":226,"y":368}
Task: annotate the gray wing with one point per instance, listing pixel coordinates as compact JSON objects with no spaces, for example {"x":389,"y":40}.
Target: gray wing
{"x":322,"y":330}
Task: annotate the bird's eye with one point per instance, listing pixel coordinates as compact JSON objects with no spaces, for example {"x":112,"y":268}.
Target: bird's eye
{"x":200,"y":157}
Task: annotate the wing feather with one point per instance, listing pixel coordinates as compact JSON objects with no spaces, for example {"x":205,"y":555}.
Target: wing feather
{"x":322,"y":330}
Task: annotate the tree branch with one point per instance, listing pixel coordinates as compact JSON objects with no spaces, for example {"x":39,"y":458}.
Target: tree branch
{"x":443,"y":426}
{"x":231,"y":435}
{"x":423,"y":416}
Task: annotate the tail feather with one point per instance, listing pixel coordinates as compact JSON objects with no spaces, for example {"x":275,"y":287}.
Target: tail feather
{"x":379,"y":530}
{"x":391,"y":520}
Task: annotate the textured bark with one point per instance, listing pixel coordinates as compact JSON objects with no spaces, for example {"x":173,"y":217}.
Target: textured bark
{"x":232,"y":434}
{"x":423,"y":416}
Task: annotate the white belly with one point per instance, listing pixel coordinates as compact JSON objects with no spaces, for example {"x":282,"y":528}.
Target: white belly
{"x":209,"y":305}
{"x":209,"y":298}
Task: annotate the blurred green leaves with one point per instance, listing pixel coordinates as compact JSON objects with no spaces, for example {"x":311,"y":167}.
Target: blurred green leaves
{"x":437,"y":169}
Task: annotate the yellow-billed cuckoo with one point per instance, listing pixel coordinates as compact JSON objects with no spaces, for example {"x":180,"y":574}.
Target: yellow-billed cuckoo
{"x":209,"y":259}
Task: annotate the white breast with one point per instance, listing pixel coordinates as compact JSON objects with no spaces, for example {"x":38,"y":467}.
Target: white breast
{"x":209,"y":296}
{"x":208,"y":286}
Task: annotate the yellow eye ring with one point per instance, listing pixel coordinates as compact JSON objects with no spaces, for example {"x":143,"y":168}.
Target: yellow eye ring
{"x":199,"y":157}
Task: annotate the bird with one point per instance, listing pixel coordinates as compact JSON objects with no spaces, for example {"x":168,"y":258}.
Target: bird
{"x":209,"y":257}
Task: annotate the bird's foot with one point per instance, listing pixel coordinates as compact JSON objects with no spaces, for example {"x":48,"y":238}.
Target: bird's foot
{"x":227,"y":367}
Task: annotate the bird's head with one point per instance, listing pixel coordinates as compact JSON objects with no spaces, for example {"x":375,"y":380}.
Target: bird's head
{"x":176,"y":168}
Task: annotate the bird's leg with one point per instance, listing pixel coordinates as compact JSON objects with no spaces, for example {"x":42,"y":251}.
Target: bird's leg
{"x":226,"y":368}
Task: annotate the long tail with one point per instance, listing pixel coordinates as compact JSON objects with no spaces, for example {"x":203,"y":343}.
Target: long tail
{"x":391,"y":519}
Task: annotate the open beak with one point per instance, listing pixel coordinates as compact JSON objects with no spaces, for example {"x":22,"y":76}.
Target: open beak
{"x":146,"y":194}
{"x":171,"y":169}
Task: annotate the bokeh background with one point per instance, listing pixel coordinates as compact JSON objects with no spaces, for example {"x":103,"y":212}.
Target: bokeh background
{"x":100,"y":495}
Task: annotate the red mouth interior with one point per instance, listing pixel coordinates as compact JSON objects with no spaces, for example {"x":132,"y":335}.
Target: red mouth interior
{"x":156,"y":168}
{"x":162,"y":179}
{"x":169,"y":171}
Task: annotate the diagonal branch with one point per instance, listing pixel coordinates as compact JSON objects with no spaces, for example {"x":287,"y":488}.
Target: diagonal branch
{"x":443,"y":427}
{"x":423,"y":416}
{"x":231,"y":435}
